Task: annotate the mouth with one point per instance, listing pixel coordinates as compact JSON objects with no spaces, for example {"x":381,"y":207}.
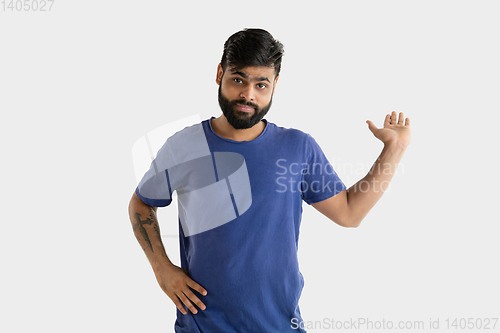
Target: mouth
{"x":244,"y":108}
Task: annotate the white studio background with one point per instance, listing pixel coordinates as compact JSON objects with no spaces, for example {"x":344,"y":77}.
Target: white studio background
{"x":79,"y":84}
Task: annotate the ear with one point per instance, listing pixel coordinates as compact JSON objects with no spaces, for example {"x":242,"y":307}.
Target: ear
{"x":218,"y":77}
{"x":275,"y":82}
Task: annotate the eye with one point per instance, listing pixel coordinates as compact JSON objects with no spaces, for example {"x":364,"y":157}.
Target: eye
{"x":262,"y":85}
{"x":237,"y":80}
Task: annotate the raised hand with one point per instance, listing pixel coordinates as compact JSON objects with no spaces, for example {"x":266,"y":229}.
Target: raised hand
{"x":395,"y":131}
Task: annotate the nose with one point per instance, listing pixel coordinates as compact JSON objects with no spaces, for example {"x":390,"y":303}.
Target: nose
{"x":248,"y":93}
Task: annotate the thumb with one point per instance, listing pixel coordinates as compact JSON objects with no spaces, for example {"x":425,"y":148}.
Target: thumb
{"x":371,"y":126}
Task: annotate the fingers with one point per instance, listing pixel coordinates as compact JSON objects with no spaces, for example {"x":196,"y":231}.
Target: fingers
{"x":197,"y":287}
{"x":390,"y":119}
{"x":188,"y":304}
{"x":192,"y":298}
{"x":387,"y":120}
{"x":179,"y":306}
{"x":394,"y":116}
{"x":401,"y":120}
{"x":188,"y":298}
{"x":371,"y":126}
{"x":177,"y":284}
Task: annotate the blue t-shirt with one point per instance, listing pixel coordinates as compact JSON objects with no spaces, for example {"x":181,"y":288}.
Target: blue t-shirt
{"x":240,"y":208}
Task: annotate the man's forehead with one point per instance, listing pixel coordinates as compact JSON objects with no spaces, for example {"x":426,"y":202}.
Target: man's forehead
{"x":259,"y":73}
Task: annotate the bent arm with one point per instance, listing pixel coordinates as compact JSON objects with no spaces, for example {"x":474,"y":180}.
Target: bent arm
{"x":350,"y":207}
{"x":173,"y":280}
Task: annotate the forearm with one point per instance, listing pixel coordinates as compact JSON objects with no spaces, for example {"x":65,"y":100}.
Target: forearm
{"x":147,"y":231}
{"x":362,"y":196}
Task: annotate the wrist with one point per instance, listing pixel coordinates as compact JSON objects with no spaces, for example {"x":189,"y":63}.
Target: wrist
{"x":395,"y":146}
{"x":163,"y":264}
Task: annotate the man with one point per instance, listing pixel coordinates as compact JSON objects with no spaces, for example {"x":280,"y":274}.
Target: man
{"x":240,"y":182}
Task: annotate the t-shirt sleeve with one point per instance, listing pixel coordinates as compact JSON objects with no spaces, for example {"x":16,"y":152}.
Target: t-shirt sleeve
{"x":320,"y":181}
{"x":183,"y":164}
{"x":154,"y":188}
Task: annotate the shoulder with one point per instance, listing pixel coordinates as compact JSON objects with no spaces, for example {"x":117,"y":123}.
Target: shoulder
{"x":186,"y":144}
{"x":289,"y":133}
{"x":188,"y":132}
{"x":299,"y":139}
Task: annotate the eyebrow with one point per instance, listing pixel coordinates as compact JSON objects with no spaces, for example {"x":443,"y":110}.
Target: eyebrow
{"x":245,"y":76}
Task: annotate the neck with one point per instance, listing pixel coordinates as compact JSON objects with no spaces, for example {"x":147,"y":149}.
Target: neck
{"x":224,"y":129}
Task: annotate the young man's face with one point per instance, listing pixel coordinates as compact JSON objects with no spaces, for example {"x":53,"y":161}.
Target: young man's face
{"x":245,"y":95}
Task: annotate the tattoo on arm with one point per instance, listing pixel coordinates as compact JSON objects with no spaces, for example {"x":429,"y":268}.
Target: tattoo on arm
{"x":139,"y":224}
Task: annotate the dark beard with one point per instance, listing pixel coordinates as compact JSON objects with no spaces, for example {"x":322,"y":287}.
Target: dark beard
{"x":238,"y":119}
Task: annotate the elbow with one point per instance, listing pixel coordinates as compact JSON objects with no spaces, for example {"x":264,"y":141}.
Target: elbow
{"x":353,"y":224}
{"x":346,"y":221}
{"x":350,"y":223}
{"x":352,"y":219}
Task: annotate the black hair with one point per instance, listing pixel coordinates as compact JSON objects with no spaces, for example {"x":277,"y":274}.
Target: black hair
{"x":252,"y":47}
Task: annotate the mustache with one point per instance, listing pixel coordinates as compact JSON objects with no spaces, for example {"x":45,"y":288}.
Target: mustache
{"x":242,"y":102}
